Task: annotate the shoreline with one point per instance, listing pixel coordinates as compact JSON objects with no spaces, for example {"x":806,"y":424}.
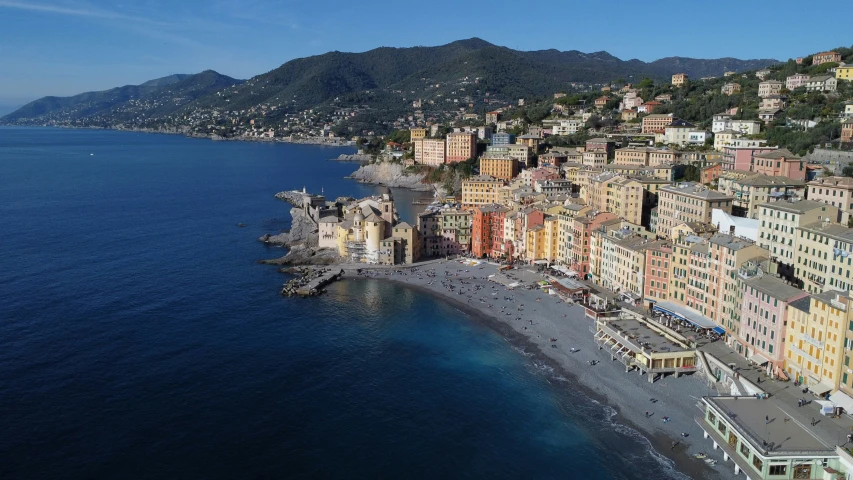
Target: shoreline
{"x":309,"y":141}
{"x":628,"y":395}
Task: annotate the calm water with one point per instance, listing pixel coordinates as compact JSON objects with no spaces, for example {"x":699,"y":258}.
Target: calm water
{"x":138,"y":338}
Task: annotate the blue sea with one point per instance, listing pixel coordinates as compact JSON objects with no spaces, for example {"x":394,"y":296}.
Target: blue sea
{"x":139,"y":338}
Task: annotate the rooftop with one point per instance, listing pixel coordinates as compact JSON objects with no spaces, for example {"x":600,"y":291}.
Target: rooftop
{"x":695,"y":190}
{"x":766,"y":423}
{"x":638,"y":335}
{"x":800,"y":206}
{"x":777,"y":154}
{"x":730,"y":241}
{"x":775,"y":287}
{"x":831,"y":230}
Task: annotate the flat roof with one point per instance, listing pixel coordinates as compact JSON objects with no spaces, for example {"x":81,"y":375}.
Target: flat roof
{"x":750,"y":415}
{"x":642,"y":336}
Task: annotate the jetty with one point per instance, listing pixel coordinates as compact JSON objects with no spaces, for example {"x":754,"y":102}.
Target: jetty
{"x":311,"y":284}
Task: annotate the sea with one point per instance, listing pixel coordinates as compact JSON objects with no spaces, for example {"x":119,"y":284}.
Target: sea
{"x":139,"y":338}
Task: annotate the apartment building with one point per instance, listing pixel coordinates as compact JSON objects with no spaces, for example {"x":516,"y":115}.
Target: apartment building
{"x":656,"y":122}
{"x":847,"y":129}
{"x":778,"y":225}
{"x":445,"y":231}
{"x":825,"y":57}
{"x":764,"y":316}
{"x":461,"y":146}
{"x":824,"y":255}
{"x":679,"y":79}
{"x":487,"y":231}
{"x":822,"y":83}
{"x":769,"y":87}
{"x":844,"y":72}
{"x":663,"y":157}
{"x":480,"y":190}
{"x":622,"y":261}
{"x":502,"y":168}
{"x":814,"y":351}
{"x":730,"y":89}
{"x":739,"y":157}
{"x":796,"y":80}
{"x":658,"y":272}
{"x":417,"y":133}
{"x":779,"y":163}
{"x":835,"y":191}
{"x":688,"y":202}
{"x":541,"y":241}
{"x":595,"y":158}
{"x":619,"y":195}
{"x":632,"y":156}
{"x":582,"y":228}
{"x":749,"y":189}
{"x":522,"y":153}
{"x":727,"y":254}
{"x":429,"y":151}
{"x":565,"y":225}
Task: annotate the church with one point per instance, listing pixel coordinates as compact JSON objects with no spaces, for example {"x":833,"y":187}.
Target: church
{"x":370,"y":231}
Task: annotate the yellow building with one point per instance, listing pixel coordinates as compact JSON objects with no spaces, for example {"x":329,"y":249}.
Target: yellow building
{"x":678,"y":79}
{"x":502,"y":168}
{"x":621,"y":261}
{"x":814,"y":351}
{"x":823,"y":256}
{"x":844,"y":73}
{"x":542,"y":241}
{"x":595,"y":158}
{"x":417,"y":133}
{"x":619,"y":195}
{"x":481,"y":190}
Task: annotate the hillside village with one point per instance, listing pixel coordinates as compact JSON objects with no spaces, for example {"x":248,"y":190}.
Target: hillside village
{"x":714,"y":223}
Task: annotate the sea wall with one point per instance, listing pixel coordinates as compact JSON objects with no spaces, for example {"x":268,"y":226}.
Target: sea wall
{"x":390,"y":175}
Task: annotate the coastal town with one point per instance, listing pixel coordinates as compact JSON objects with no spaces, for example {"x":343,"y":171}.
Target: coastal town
{"x":696,"y":255}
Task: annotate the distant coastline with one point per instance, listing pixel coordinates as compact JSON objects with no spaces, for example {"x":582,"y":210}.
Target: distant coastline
{"x":301,"y":141}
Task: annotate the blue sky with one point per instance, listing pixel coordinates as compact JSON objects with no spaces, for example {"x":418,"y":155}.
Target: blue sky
{"x":63,"y":47}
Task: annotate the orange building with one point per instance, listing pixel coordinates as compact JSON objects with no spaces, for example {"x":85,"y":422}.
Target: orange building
{"x":678,"y":79}
{"x":502,"y":168}
{"x":710,"y":173}
{"x":825,"y":57}
{"x":487,"y":230}
{"x":658,"y":272}
{"x":460,"y":147}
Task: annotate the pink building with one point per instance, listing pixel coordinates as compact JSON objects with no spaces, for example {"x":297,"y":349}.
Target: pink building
{"x":764,"y":316}
{"x":740,"y":158}
{"x":656,"y":281}
{"x":796,"y":80}
{"x":779,"y":163}
{"x":542,"y":174}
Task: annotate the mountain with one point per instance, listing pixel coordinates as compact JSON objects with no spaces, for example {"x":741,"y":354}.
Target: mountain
{"x":380,"y":84}
{"x":158,"y":96}
{"x":500,"y":70}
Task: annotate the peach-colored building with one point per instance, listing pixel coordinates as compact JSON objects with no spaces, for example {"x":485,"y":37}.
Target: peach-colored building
{"x":656,"y":122}
{"x":678,"y":79}
{"x":835,"y":191}
{"x":429,"y":151}
{"x":632,"y":156}
{"x":769,"y":87}
{"x":825,"y":57}
{"x":661,"y":157}
{"x":764,"y":315}
{"x":847,"y":130}
{"x":600,"y":102}
{"x":461,"y":146}
{"x":595,"y":158}
{"x":658,"y":272}
{"x":582,"y":228}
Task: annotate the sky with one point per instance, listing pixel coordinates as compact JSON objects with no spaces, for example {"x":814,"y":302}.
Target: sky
{"x":65,"y":47}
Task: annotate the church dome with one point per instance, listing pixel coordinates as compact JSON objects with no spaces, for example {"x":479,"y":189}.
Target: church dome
{"x":359,"y":217}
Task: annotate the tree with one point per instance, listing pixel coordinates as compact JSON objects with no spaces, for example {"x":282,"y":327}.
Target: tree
{"x":646,"y":84}
{"x":692,"y":173}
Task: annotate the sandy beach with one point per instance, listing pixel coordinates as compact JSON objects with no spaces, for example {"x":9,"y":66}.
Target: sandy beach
{"x":530,"y":319}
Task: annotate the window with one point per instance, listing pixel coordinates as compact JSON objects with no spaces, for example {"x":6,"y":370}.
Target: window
{"x":778,"y":470}
{"x":744,"y":450}
{"x":758,"y":464}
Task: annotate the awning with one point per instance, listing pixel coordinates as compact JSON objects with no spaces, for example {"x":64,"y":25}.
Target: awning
{"x":841,"y":399}
{"x":719,"y":330}
{"x":541,"y":262}
{"x":820,"y":389}
{"x":685,"y":313}
{"x":758,"y":359}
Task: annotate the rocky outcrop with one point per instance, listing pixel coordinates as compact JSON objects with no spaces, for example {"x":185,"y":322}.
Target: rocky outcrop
{"x":303,"y":231}
{"x":355,"y":157}
{"x":304,"y":255}
{"x":390,"y":175}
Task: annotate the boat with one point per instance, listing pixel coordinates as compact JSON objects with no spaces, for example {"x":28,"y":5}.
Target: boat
{"x":700,"y":455}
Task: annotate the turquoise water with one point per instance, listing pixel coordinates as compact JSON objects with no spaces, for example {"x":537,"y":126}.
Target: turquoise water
{"x":139,"y":338}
